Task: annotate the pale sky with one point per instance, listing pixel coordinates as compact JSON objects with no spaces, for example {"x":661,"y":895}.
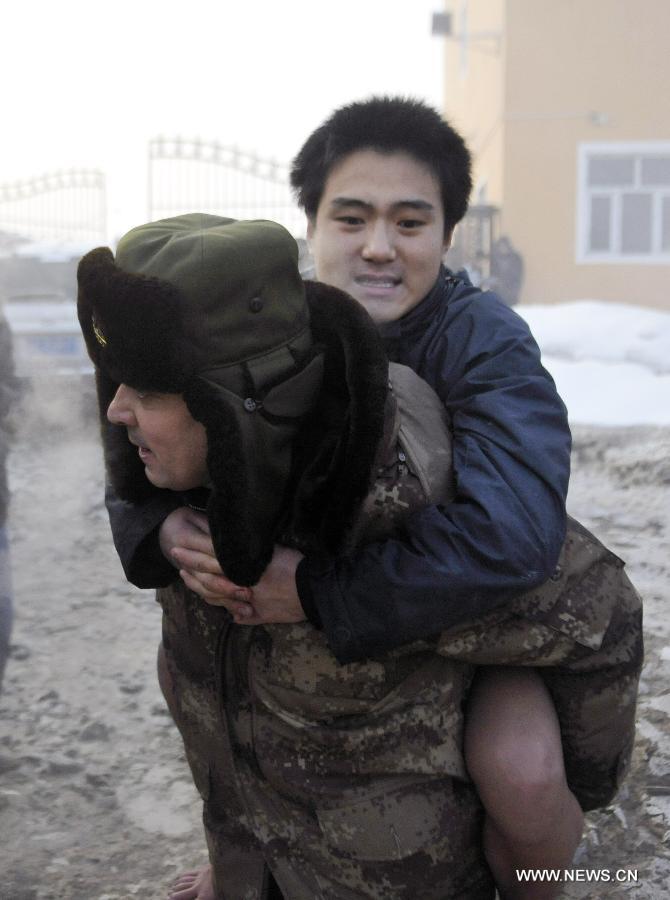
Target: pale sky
{"x":86,"y":84}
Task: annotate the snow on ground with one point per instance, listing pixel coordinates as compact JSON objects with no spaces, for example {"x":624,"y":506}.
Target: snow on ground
{"x":611,"y":362}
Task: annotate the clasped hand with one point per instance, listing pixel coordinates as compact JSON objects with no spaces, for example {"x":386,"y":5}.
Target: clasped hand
{"x":186,"y":542}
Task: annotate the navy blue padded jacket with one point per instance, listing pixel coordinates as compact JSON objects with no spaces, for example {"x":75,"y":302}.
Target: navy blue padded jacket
{"x":503,"y":532}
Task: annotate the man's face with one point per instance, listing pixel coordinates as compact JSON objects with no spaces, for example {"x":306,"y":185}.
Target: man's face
{"x":378,"y":233}
{"x":169,"y":441}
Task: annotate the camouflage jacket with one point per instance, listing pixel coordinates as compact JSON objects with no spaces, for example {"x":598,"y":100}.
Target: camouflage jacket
{"x":348,"y":780}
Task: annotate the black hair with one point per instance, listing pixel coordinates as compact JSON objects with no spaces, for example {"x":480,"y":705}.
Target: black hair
{"x":387,"y":125}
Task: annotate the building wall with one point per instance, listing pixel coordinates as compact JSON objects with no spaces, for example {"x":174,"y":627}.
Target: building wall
{"x":566,"y":73}
{"x":474,"y":94}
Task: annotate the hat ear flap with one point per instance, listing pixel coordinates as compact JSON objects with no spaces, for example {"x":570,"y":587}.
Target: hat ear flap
{"x":243,"y":542}
{"x":338,"y":446}
{"x":250,"y":455}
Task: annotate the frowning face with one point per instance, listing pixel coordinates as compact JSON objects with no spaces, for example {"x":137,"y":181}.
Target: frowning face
{"x":170,"y":442}
{"x":378,"y":233}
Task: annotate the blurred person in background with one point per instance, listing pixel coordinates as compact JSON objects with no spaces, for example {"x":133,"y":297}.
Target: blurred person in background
{"x":8,"y":396}
{"x":506,"y":277}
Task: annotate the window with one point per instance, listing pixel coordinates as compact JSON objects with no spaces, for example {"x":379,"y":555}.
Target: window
{"x":623,"y":208}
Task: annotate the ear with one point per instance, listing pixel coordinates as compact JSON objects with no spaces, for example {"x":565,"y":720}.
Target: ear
{"x":311,"y":227}
{"x":447,"y":240}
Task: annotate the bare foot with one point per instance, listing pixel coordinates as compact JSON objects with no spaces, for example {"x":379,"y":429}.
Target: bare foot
{"x":196,"y":885}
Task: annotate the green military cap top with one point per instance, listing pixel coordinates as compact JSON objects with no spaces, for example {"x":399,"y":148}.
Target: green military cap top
{"x":193,"y":294}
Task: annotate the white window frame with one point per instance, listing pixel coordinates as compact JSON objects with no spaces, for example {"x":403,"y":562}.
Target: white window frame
{"x":584,"y":193}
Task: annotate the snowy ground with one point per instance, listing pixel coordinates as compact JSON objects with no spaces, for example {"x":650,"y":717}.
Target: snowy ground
{"x":611,"y":362}
{"x":95,"y":799}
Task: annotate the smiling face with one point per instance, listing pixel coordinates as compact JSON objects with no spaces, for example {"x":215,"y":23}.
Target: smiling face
{"x":378,"y":233}
{"x":170,"y":442}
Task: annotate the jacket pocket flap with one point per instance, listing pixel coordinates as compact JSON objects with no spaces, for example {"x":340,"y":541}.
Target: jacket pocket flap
{"x":390,"y":825}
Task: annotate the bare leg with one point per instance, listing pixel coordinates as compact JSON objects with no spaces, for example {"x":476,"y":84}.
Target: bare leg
{"x":197,"y":884}
{"x":514,"y":756}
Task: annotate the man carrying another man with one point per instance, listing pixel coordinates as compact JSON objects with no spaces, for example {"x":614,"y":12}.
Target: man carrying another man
{"x":383,"y":184}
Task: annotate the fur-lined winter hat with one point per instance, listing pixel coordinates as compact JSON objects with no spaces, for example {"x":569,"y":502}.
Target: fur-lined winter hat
{"x":215,"y":309}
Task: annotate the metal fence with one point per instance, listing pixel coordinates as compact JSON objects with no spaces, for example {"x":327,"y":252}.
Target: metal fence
{"x":68,"y":205}
{"x":186,"y":175}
